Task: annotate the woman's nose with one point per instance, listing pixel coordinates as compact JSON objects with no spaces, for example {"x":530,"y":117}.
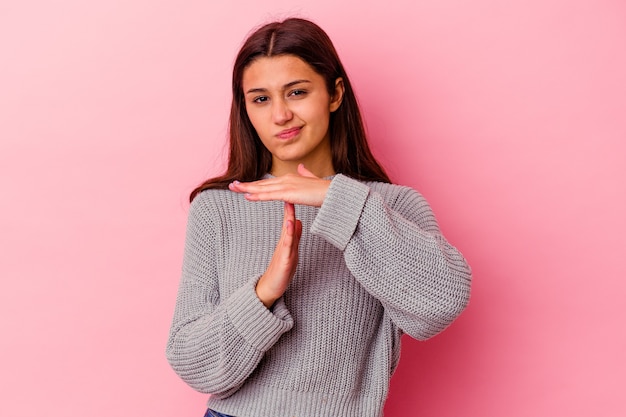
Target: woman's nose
{"x":280,"y":112}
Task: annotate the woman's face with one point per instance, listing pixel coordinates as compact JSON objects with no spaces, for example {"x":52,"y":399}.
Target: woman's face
{"x":289,"y":107}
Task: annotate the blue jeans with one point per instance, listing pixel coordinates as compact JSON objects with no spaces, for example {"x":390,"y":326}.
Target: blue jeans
{"x":211,"y":413}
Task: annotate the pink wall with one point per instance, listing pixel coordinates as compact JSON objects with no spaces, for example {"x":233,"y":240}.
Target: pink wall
{"x":508,"y":116}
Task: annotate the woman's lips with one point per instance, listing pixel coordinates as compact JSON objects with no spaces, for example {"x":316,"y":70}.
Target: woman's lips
{"x":289,"y":133}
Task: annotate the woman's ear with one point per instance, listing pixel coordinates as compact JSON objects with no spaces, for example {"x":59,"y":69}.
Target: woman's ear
{"x":337,"y":98}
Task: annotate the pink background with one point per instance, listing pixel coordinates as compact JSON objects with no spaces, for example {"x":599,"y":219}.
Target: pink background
{"x":510,"y":117}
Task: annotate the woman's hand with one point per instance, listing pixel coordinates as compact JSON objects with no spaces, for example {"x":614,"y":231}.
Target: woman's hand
{"x":282,"y":267}
{"x":302,"y":188}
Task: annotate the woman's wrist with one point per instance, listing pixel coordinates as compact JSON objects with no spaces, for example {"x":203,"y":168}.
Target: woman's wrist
{"x":264,"y":295}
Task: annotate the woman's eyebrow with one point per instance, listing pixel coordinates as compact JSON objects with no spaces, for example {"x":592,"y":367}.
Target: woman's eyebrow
{"x":289,"y":84}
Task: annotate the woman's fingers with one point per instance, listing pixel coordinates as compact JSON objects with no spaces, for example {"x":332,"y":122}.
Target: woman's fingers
{"x":303,"y":188}
{"x":305,"y":172}
{"x":288,"y":231}
{"x":282,"y":267}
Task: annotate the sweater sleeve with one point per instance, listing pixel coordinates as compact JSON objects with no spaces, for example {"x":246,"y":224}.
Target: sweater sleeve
{"x":394,"y":248}
{"x":214,"y":343}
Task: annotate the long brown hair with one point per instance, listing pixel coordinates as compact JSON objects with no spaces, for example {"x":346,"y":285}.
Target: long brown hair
{"x":248,"y":159}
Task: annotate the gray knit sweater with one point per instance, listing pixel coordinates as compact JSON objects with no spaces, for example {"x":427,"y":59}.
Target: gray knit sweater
{"x":373,"y":265}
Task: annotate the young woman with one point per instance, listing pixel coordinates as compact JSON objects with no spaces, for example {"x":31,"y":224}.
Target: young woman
{"x":303,"y":264}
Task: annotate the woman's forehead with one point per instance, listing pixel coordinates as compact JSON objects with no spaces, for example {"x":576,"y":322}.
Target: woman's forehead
{"x":276,"y":72}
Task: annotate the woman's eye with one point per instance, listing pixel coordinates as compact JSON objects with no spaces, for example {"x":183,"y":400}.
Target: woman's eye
{"x":260,"y":99}
{"x":297,"y":93}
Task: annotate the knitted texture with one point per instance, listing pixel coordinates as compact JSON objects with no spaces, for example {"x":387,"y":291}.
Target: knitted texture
{"x":372,"y":266}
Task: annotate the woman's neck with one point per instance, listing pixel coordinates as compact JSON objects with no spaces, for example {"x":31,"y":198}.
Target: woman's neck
{"x":321,"y":169}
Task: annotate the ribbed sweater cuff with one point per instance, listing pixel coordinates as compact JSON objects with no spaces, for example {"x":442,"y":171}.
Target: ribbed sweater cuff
{"x":259,"y":326}
{"x":339,"y":215}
